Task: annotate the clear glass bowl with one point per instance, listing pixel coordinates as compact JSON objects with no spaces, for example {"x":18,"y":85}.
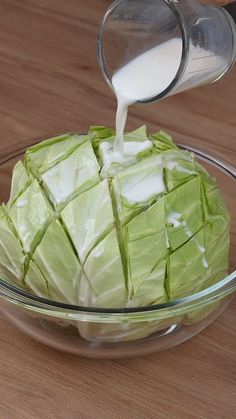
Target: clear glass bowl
{"x":127,"y":332}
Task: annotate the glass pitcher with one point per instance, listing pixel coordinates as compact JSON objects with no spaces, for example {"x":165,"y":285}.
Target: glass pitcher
{"x":207,"y":33}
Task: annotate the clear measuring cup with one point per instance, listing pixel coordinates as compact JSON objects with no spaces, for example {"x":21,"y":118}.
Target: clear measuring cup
{"x":208,"y":39}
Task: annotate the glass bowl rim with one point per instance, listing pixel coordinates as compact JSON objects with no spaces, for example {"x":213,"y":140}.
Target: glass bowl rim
{"x":221,"y":289}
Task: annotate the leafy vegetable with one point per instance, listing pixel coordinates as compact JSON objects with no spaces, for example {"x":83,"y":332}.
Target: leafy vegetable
{"x":84,"y":225}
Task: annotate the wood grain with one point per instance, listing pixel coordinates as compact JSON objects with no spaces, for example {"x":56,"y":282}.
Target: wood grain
{"x":50,"y":81}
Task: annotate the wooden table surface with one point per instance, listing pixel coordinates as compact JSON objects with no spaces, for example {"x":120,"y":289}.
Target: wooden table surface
{"x":50,"y":81}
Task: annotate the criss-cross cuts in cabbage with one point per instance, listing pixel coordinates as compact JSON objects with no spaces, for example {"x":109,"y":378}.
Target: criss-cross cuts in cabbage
{"x":84,"y":229}
{"x":179,"y":168}
{"x":146,"y":249}
{"x":137,"y":187}
{"x":89,"y":218}
{"x":71,"y":176}
{"x":184,"y":216}
{"x":35,"y":283}
{"x":12,"y":256}
{"x":46,"y":154}
{"x":104,"y":272}
{"x":61,"y":273}
{"x":20,"y":180}
{"x":29,"y":214}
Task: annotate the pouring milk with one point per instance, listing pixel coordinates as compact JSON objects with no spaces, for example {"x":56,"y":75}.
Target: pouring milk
{"x":149,"y":74}
{"x":144,"y":77}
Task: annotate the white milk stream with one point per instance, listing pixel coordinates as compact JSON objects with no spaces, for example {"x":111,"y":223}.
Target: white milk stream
{"x":144,"y":77}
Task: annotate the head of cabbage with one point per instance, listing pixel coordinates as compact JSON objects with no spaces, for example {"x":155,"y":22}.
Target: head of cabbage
{"x":86,"y":226}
